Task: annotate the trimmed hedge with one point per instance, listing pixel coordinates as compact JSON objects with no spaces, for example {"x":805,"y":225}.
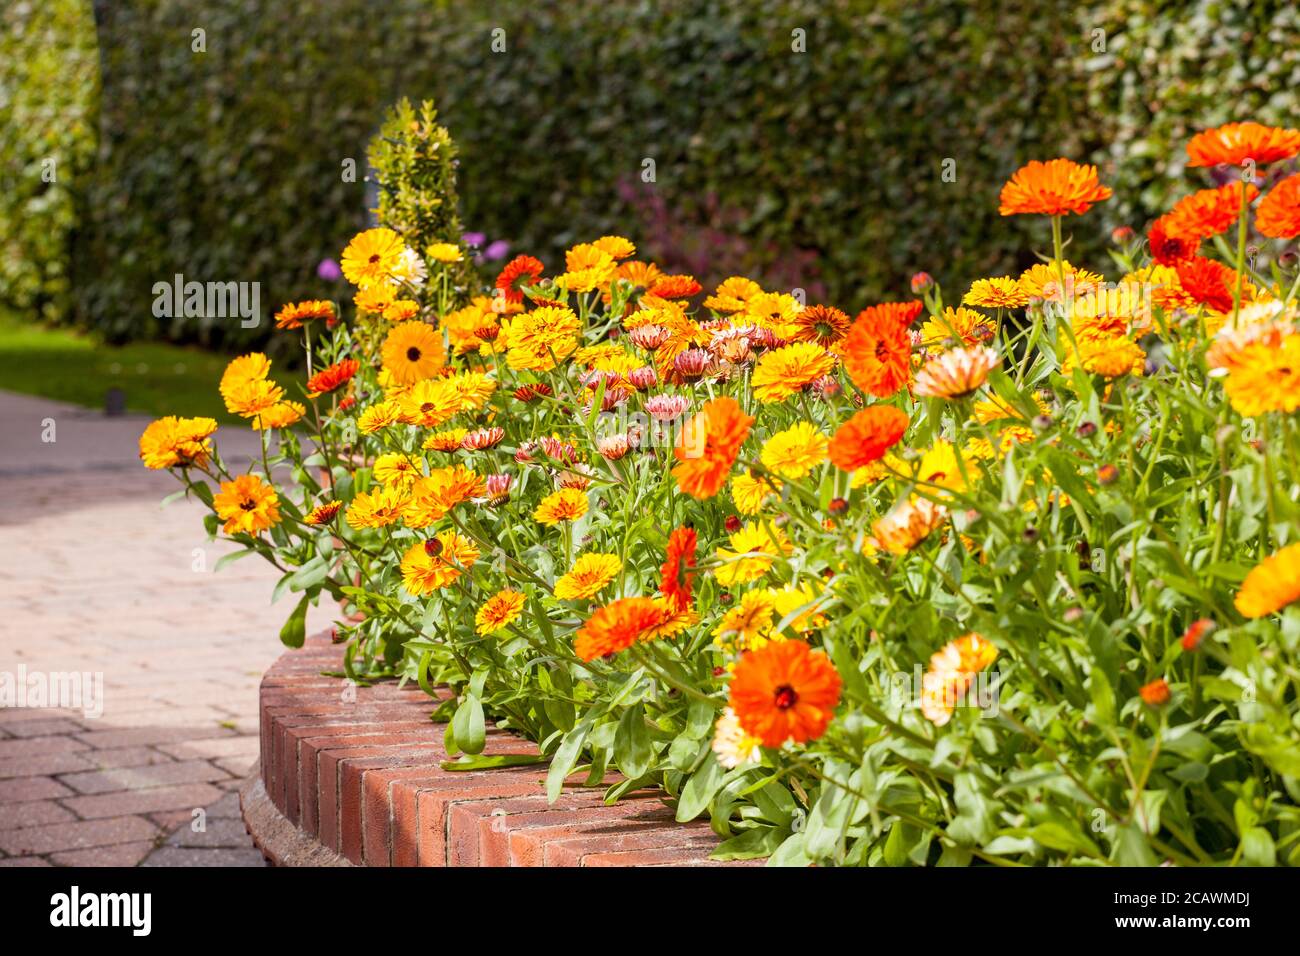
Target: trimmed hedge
{"x":48,"y":90}
{"x":821,"y":169}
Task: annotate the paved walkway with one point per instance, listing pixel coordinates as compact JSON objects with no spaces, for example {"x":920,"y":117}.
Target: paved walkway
{"x":96,"y":577}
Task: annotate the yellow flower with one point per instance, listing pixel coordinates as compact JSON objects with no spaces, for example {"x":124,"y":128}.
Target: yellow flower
{"x":782,"y":372}
{"x":436,"y":563}
{"x":540,"y":339}
{"x":796,"y":451}
{"x":433,"y":495}
{"x":732,"y":295}
{"x":372,"y":256}
{"x":396,"y":470}
{"x":567,"y":504}
{"x":377,"y":508}
{"x":247,"y":504}
{"x":587,"y":267}
{"x":793,"y":597}
{"x":941,"y":466}
{"x":615,"y":246}
{"x":588,"y":576}
{"x":958,"y":326}
{"x":1106,"y":313}
{"x":241,"y":371}
{"x":172,"y":442}
{"x":1043,"y":281}
{"x":1109,"y":357}
{"x":748,"y":625}
{"x":754,"y":548}
{"x":908,"y":524}
{"x":1272,"y":584}
{"x":279,"y":415}
{"x":445,"y":441}
{"x":253,"y":398}
{"x":446,"y":252}
{"x":749,"y":493}
{"x":428,"y":403}
{"x":1002,"y":292}
{"x":498,"y":611}
{"x":776,"y":311}
{"x":377,"y":299}
{"x":377,"y":416}
{"x":412,"y":352}
{"x":470,"y":390}
{"x":1265,"y":379}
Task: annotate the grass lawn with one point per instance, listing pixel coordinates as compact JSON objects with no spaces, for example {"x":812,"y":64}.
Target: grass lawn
{"x":158,"y":379}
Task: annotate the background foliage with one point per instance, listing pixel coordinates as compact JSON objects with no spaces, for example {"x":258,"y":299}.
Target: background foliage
{"x":819,"y":170}
{"x":48,"y":91}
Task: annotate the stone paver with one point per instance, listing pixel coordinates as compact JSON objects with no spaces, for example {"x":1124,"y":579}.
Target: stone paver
{"x":97,"y":578}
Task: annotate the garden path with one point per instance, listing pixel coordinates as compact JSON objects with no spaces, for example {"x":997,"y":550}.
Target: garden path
{"x":96,"y":577}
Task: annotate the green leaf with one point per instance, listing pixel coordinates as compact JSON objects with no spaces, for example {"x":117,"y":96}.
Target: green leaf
{"x":468,"y":725}
{"x":1103,"y":699}
{"x":750,"y":845}
{"x":633,"y":752}
{"x":492,"y":761}
{"x":700,"y":788}
{"x":294,"y":632}
{"x":566,"y":757}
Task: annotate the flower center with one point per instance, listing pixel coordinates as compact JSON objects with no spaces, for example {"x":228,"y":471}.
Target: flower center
{"x":248,"y":504}
{"x":413,"y":354}
{"x":374,"y":258}
{"x":785,"y":697}
{"x":433,"y":547}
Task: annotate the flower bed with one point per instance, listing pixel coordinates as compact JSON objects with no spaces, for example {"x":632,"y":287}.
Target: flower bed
{"x":1009,"y":581}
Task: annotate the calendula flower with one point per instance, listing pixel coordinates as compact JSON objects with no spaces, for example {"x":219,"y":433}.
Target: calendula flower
{"x":444,"y":252}
{"x":959,"y":326}
{"x":567,"y":504}
{"x":242,"y":370}
{"x":377,"y":416}
{"x":751,"y":492}
{"x":376,"y":298}
{"x":247,"y":505}
{"x":376,"y":508}
{"x":587,"y":267}
{"x":437,"y":562}
{"x":445,"y":440}
{"x":731,"y":745}
{"x":786,"y":371}
{"x":675,"y":287}
{"x":785,"y":691}
{"x":1210,"y":283}
{"x":792,"y":598}
{"x":908,"y":524}
{"x":877,"y":352}
{"x":397,"y":470}
{"x":1233,"y":144}
{"x":253,"y":398}
{"x":952,"y":671}
{"x":432,"y":496}
{"x":1043,"y":281}
{"x":498,"y":612}
{"x":172,"y":442}
{"x":1111,"y":356}
{"x":588,"y":576}
{"x":1272,"y":584}
{"x":794,"y":452}
{"x":519,"y":271}
{"x":371,"y":257}
{"x":293,"y":315}
{"x":677,"y":574}
{"x":641,"y":275}
{"x":280,"y":415}
{"x":1000,"y":292}
{"x":1123,"y":309}
{"x":332,"y":377}
{"x":323,"y":514}
{"x":482,"y":438}
{"x":1168,"y":246}
{"x":1057,"y":187}
{"x":708,"y":445}
{"x":955,"y":373}
{"x":1265,"y":375}
{"x":732,"y":295}
{"x":413,"y":352}
{"x":822,"y":325}
{"x":616,"y":246}
{"x":753,"y":551}
{"x":866,"y":436}
{"x":617,"y":626}
{"x":1208,"y":212}
{"x":400,"y":310}
{"x":750,"y":624}
{"x":428,"y":403}
{"x":1196,"y":632}
{"x":540,"y":339}
{"x":1156,"y":693}
{"x":1278,"y":215}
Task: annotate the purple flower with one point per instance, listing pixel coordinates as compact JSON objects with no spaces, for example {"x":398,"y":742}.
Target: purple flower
{"x":497,"y":250}
{"x":329,"y":270}
{"x":475,"y":239}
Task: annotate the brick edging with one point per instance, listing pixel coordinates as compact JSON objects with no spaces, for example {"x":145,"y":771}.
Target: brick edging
{"x":356,"y":772}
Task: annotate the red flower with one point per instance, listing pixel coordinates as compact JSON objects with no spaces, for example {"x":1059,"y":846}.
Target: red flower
{"x":1168,"y":247}
{"x":1208,"y":282}
{"x":328,"y":379}
{"x":785,"y":691}
{"x":1208,"y":212}
{"x":1155,"y":693}
{"x":1197,"y":632}
{"x":877,"y":352}
{"x":678,"y":571}
{"x":527,"y":268}
{"x":675,"y":287}
{"x":866,"y":436}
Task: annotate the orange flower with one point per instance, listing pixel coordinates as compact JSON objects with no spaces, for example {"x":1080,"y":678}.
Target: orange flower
{"x":866,"y":436}
{"x":523,"y":270}
{"x":877,"y":352}
{"x":678,"y":571}
{"x":1233,"y":144}
{"x":293,"y":315}
{"x":247,"y":504}
{"x":785,"y":691}
{"x":1208,"y":282}
{"x":823,"y":325}
{"x":952,"y":671}
{"x":436,"y":563}
{"x":1196,"y":633}
{"x":707,"y":447}
{"x":323,"y":514}
{"x":1208,"y":212}
{"x":1272,"y":584}
{"x":955,"y":373}
{"x":1168,"y":247}
{"x":1054,"y":188}
{"x":617,"y":626}
{"x":328,"y":379}
{"x":1278,"y":215}
{"x":908,"y":524}
{"x":675,"y":287}
{"x":1155,"y":693}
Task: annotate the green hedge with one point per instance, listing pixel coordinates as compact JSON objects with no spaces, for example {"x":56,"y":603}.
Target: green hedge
{"x":48,"y":91}
{"x":819,"y":169}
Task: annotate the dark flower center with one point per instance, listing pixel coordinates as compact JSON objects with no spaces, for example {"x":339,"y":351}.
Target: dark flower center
{"x":374,"y":258}
{"x":248,"y":504}
{"x":882,"y":353}
{"x":433,"y":547}
{"x":413,"y":354}
{"x":785,"y":697}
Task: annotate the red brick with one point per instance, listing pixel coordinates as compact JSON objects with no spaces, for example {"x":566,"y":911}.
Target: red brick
{"x":35,"y":813}
{"x":671,"y":856}
{"x":119,"y":854}
{"x":329,"y":775}
{"x":478,"y":832}
{"x":139,"y":778}
{"x":38,"y":765}
{"x":570,"y":851}
{"x":187,"y":796}
{"x":50,"y":838}
{"x":19,"y":789}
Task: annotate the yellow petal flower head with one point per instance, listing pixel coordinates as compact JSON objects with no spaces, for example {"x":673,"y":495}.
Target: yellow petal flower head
{"x":498,"y":612}
{"x":794,"y":452}
{"x":372,"y":256}
{"x":436,"y":563}
{"x":588,"y":576}
{"x":413,"y":352}
{"x":247,"y":505}
{"x":754,"y":549}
